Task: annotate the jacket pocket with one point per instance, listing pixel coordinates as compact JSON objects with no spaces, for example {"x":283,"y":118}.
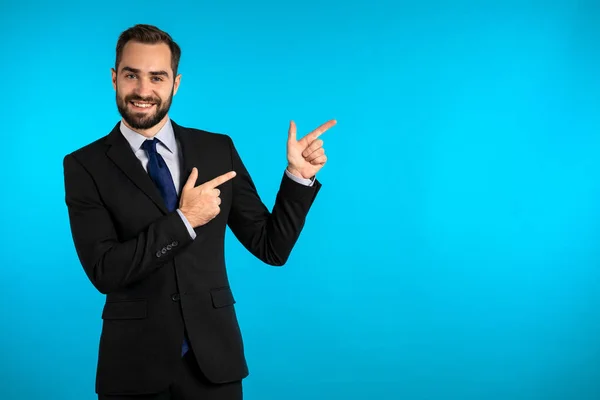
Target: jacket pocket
{"x":125,"y":309}
{"x":222,"y":297}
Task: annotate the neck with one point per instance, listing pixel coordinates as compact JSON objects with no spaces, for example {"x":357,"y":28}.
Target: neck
{"x":150,"y":132}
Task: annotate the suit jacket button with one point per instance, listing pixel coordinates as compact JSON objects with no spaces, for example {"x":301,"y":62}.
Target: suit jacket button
{"x":164,"y":250}
{"x":175,"y":297}
{"x":158,"y":254}
{"x":175,"y":243}
{"x":169,"y":247}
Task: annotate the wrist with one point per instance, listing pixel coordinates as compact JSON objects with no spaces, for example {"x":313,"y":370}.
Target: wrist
{"x":187,"y":216}
{"x":294,"y":172}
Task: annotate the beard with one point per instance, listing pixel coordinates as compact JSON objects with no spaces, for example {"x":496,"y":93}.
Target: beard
{"x":141,"y":120}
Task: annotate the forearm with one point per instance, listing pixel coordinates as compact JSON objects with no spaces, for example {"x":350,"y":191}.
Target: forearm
{"x":270,"y":236}
{"x":287,"y":219}
{"x":112,"y":265}
{"x":109,"y":263}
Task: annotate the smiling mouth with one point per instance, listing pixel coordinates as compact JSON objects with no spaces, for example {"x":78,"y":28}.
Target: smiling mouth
{"x":142,"y":105}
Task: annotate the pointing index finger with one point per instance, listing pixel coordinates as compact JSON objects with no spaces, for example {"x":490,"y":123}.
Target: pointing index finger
{"x":213,"y":183}
{"x":320,"y":130}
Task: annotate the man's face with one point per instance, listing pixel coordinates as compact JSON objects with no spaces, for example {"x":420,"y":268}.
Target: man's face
{"x":144,"y":84}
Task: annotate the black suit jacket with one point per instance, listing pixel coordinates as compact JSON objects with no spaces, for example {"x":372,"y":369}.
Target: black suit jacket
{"x":157,"y":280}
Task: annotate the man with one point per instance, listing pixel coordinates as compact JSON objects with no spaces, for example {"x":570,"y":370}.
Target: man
{"x":148,"y":205}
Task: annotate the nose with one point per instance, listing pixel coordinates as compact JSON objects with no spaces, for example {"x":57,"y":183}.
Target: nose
{"x":143,"y":88}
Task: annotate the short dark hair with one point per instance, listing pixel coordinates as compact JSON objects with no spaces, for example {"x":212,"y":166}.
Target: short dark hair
{"x":148,"y":34}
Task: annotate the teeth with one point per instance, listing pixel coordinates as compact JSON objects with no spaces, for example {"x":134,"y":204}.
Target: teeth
{"x":144,"y":105}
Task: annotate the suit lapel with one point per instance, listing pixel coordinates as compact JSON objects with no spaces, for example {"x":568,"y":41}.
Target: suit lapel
{"x":194,"y":153}
{"x":120,"y":153}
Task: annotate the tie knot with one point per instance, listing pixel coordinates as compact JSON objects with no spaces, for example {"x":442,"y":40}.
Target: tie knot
{"x":150,"y":145}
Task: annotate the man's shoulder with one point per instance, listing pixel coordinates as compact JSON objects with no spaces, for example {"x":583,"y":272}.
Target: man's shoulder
{"x":204,"y":137}
{"x":89,"y":150}
{"x":97,"y":144}
{"x":202,"y":133}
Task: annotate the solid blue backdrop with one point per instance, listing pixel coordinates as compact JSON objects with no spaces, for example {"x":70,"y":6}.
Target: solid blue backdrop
{"x":452,"y":253}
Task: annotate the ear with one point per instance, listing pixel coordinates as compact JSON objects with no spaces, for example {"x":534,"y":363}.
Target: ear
{"x":176,"y":84}
{"x":114,"y":78}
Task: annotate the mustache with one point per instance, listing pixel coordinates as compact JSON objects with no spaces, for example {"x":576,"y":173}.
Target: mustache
{"x":140,"y":98}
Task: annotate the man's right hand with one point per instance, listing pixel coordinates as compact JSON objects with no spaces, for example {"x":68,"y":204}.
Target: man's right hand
{"x":200,"y":204}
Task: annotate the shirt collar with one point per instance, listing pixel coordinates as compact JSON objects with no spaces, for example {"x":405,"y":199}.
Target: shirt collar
{"x":135,"y":140}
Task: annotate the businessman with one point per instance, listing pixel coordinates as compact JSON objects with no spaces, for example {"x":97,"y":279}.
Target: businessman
{"x":148,"y":207}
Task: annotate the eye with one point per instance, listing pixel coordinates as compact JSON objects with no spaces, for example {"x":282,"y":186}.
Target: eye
{"x":157,"y":79}
{"x":130,"y":76}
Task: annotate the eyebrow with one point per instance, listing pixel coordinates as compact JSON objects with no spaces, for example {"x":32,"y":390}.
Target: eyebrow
{"x":137,"y":71}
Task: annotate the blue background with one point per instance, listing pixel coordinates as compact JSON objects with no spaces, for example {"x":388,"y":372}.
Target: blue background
{"x":453,"y":250}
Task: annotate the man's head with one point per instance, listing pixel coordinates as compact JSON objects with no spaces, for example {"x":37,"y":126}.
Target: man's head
{"x":145,"y":75}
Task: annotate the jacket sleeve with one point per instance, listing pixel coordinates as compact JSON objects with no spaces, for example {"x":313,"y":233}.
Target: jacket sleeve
{"x":269,"y":236}
{"x":109,"y":263}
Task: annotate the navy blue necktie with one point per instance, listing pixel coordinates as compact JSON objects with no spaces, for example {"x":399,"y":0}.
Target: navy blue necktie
{"x":159,"y":172}
{"x":160,"y":175}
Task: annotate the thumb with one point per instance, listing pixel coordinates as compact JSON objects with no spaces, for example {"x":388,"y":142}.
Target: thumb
{"x":292,"y":131}
{"x":191,"y":181}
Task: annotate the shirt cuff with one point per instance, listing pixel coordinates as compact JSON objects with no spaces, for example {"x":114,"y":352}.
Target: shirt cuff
{"x":187,"y":225}
{"x":302,"y":181}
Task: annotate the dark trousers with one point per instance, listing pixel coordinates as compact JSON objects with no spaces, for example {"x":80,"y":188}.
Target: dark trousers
{"x":190,"y":384}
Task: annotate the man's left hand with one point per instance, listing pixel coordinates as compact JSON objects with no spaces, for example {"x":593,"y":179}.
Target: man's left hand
{"x":307,"y":155}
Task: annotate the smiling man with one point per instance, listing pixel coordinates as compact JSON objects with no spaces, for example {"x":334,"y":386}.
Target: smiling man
{"x":149,"y":204}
